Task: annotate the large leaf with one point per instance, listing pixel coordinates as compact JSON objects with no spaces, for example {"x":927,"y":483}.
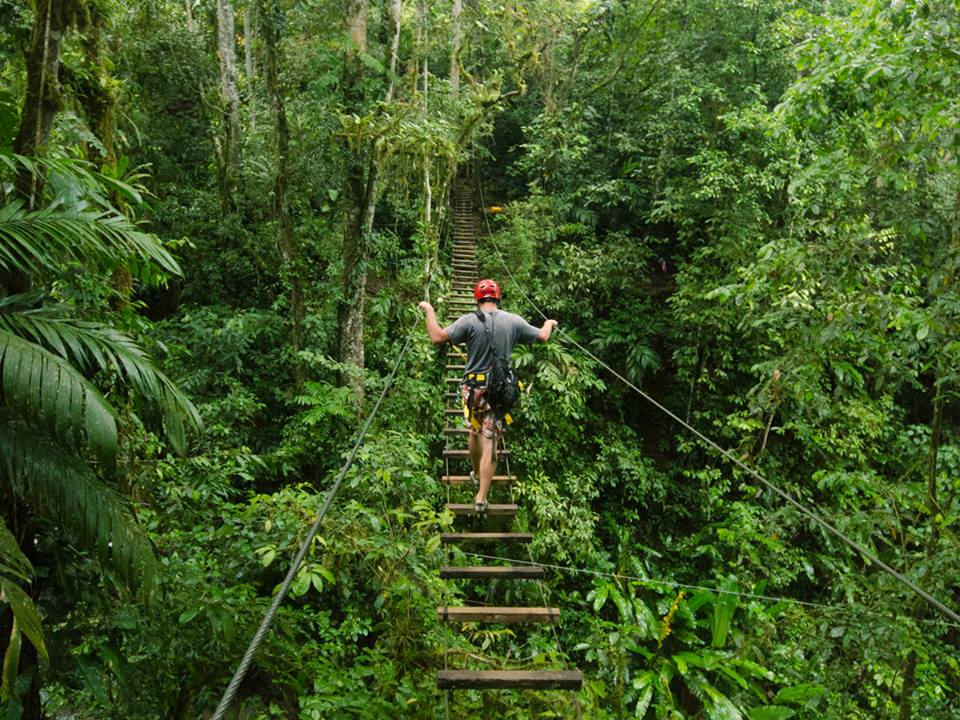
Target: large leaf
{"x":25,"y":612}
{"x":12,"y":561}
{"x":718,"y":705}
{"x":772,"y":712}
{"x":800,"y":694}
{"x":48,"y":392}
{"x":723,"y":609}
{"x":43,"y":241}
{"x":64,"y":489}
{"x":97,"y":348}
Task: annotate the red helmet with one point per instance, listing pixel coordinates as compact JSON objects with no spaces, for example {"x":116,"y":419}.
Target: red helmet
{"x":485,"y":290}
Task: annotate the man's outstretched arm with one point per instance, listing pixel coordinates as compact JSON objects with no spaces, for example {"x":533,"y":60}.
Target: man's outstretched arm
{"x":546,"y":330}
{"x":437,"y":334}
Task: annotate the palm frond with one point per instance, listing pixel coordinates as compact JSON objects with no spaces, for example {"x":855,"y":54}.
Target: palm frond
{"x":25,"y":613}
{"x":13,"y":563}
{"x":64,"y":489}
{"x":43,"y":241}
{"x":48,"y":392}
{"x":96,"y":347}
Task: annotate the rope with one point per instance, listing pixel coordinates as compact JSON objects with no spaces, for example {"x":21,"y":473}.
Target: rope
{"x":786,"y":497}
{"x":241,"y":671}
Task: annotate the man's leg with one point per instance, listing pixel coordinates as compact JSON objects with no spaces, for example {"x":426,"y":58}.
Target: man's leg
{"x":474,"y":445}
{"x":488,"y":464}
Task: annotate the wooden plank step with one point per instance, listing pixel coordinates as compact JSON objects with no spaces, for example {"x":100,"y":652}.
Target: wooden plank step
{"x":465,"y":479}
{"x":492,"y":509}
{"x":509,"y":679}
{"x":487,"y":537}
{"x":491,"y":572}
{"x":464,"y":453}
{"x":506,"y":615}
{"x":455,"y":367}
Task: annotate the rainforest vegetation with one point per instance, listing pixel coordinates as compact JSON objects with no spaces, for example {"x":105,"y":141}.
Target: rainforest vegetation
{"x":217,"y":218}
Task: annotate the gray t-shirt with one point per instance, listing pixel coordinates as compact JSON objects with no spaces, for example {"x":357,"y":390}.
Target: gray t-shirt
{"x":507,"y":329}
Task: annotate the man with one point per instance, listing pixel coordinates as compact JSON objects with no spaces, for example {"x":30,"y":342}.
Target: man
{"x":485,"y":424}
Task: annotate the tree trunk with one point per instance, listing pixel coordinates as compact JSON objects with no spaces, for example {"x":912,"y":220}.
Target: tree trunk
{"x":396,"y":13}
{"x":909,"y":683}
{"x":249,"y":33}
{"x":229,"y":103}
{"x":358,"y":199}
{"x":423,"y":33}
{"x":43,"y":97}
{"x":286,"y":241}
{"x":455,"y":42}
{"x":99,"y":97}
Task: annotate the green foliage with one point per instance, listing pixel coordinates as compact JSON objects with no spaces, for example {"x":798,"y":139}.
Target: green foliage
{"x":749,"y":209}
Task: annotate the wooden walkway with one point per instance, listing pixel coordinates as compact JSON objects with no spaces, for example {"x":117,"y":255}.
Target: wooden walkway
{"x":457,"y":479}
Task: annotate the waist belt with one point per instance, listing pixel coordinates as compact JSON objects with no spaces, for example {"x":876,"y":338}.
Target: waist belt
{"x":473,"y":378}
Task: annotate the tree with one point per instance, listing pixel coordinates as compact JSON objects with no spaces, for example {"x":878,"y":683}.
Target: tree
{"x":230,"y":137}
{"x":58,"y":432}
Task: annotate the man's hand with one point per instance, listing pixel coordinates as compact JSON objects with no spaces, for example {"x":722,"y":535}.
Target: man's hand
{"x":547,"y":329}
{"x":436,"y":333}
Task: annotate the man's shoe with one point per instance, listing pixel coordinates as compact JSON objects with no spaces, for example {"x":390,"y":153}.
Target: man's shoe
{"x":474,"y":479}
{"x":480,"y":506}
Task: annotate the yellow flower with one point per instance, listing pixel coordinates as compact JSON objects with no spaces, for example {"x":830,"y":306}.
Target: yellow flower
{"x":496,"y":209}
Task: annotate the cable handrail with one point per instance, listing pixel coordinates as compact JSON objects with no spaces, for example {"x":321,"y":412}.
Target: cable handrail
{"x":787,"y":497}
